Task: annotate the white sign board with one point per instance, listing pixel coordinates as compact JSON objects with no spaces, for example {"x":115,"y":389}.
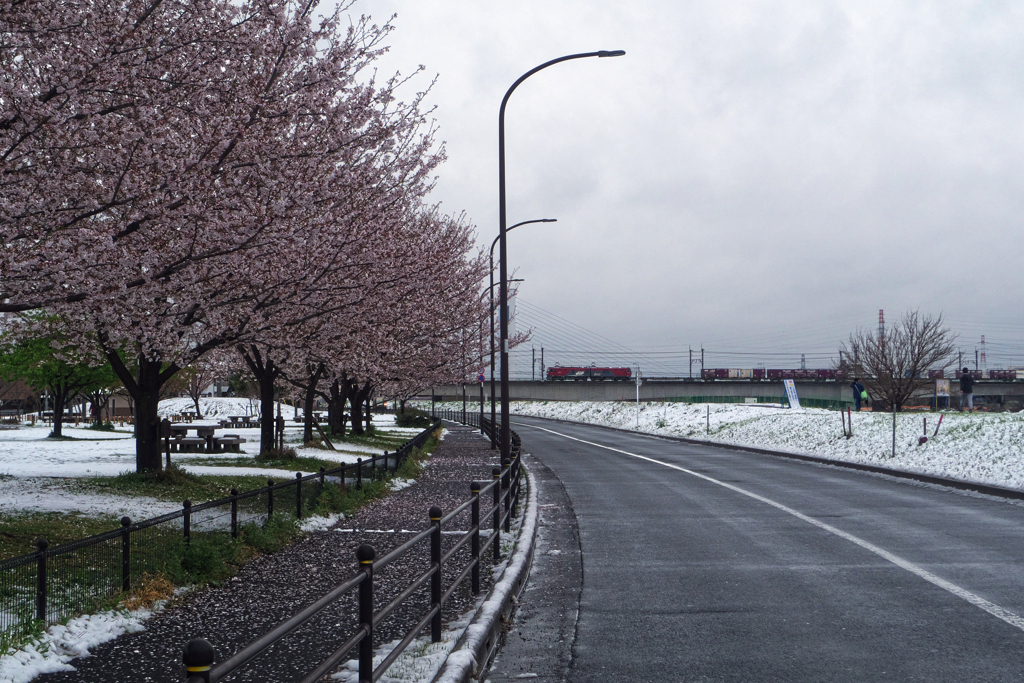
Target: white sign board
{"x":794,"y":400}
{"x":942,"y":388}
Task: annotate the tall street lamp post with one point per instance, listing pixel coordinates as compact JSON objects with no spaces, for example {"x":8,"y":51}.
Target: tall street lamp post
{"x":506,"y":440}
{"x":494,"y":439}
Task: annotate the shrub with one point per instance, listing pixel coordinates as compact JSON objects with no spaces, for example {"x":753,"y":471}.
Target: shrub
{"x":172,"y":475}
{"x":286,"y":453}
{"x":413,"y":417}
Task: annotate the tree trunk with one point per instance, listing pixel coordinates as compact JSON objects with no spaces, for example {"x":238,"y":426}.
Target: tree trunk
{"x":147,"y":430}
{"x":341,"y":392}
{"x":266,"y":372}
{"x":60,"y":396}
{"x":144,"y":389}
{"x":357,"y":402}
{"x":199,"y":413}
{"x":307,"y":403}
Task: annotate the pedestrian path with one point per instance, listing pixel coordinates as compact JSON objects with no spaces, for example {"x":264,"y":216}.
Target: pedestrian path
{"x":272,"y":587}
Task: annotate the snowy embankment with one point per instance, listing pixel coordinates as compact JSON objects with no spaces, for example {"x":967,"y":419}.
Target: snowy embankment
{"x":979,"y":447}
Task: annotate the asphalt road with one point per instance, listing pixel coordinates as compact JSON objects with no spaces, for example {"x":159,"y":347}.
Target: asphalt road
{"x":708,"y":564}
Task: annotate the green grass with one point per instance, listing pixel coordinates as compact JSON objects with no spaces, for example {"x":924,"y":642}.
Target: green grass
{"x":300,"y":464}
{"x":173,"y":483}
{"x":19,"y":530}
{"x":209,"y":558}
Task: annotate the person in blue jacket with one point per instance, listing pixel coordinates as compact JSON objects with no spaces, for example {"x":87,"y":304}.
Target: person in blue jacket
{"x":858,"y":392}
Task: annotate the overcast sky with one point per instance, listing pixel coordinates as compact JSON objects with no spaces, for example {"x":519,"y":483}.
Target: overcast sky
{"x":750,"y":175}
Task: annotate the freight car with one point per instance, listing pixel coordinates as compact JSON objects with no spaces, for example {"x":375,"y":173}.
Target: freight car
{"x":774,"y":374}
{"x":588,"y":374}
{"x":823,"y":375}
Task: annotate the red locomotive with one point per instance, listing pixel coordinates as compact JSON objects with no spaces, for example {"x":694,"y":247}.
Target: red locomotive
{"x":588,"y":374}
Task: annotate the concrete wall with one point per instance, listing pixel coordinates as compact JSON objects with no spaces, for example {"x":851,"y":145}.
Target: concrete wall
{"x":649,"y":391}
{"x":991,"y":393}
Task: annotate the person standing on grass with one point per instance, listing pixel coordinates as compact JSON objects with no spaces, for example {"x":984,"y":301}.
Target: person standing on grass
{"x":966,"y":391}
{"x":859,"y":392}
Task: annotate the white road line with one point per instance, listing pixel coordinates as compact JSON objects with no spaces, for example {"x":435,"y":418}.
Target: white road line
{"x":976,"y":600}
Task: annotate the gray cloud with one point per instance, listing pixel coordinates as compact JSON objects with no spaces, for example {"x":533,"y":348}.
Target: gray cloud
{"x":754,"y":174}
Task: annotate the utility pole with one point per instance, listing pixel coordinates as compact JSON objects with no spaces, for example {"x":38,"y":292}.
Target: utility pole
{"x":533,"y":364}
{"x":543,"y":368}
{"x":691,"y":361}
{"x":803,"y":361}
{"x":975,"y":359}
{"x":702,"y":359}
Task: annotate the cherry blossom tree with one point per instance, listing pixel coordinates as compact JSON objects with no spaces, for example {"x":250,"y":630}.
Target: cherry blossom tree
{"x":177,"y":173}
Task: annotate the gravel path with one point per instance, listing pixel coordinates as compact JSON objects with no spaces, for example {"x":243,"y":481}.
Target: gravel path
{"x":271,"y":588}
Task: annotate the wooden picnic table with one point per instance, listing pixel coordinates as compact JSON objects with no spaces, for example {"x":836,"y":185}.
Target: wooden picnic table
{"x":202,"y":431}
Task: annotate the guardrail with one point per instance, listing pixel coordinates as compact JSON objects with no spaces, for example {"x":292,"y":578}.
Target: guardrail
{"x":56,"y":582}
{"x":502,"y":493}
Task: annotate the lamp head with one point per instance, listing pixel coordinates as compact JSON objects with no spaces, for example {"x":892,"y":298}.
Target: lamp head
{"x":610,"y":53}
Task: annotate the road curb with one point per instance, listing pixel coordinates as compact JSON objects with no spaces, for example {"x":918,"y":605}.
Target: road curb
{"x":468,"y":659}
{"x":962,"y":485}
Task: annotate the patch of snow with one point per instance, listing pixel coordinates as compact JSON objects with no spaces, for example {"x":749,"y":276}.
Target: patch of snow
{"x":320,"y":523}
{"x":227,"y":471}
{"x":60,"y":644}
{"x":48,"y":494}
{"x":979,"y":447}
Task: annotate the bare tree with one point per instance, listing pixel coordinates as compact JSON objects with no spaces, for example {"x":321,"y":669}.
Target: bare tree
{"x":893,"y":365}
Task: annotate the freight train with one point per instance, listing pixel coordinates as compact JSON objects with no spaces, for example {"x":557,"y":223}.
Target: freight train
{"x":588,"y":374}
{"x":759,"y":374}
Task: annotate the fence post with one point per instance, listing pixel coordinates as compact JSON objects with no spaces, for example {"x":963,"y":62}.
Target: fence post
{"x":474,"y":522}
{"x":234,"y":513}
{"x":366,"y":554}
{"x":496,"y":515}
{"x":435,"y":580}
{"x":198,"y":658}
{"x":373,"y":468}
{"x":41,"y":545}
{"x":187,"y":508}
{"x":359,"y":473}
{"x":270,"y":499}
{"x":323,"y":478}
{"x":126,"y":556}
{"x":298,"y":495}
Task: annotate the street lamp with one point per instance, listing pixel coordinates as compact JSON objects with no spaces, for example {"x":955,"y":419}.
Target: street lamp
{"x":494,"y":440}
{"x":503,"y":253}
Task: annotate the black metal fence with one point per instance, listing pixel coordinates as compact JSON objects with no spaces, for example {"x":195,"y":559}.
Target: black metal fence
{"x":56,"y":582}
{"x":501,"y":494}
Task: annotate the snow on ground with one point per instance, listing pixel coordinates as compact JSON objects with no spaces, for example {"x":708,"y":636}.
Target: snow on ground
{"x":26,"y":452}
{"x":40,"y":469}
{"x":62,"y":643}
{"x":50,"y":494}
{"x":980,"y":447}
{"x":218,"y":408}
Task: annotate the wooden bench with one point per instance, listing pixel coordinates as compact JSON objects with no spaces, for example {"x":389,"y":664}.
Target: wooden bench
{"x":229,"y":443}
{"x":189,"y":444}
